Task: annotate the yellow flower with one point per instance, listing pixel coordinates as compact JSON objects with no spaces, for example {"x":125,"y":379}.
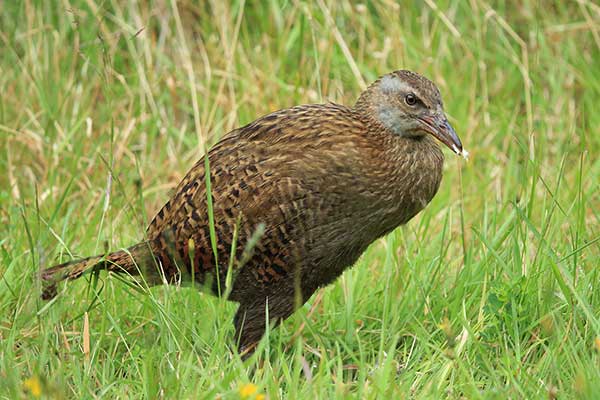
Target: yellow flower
{"x":34,"y":386}
{"x":260,"y":397}
{"x":248,"y":390}
{"x":597,"y":343}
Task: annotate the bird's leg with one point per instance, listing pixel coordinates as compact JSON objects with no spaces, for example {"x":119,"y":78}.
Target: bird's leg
{"x":250,"y":319}
{"x":250,"y":322}
{"x":249,"y":328}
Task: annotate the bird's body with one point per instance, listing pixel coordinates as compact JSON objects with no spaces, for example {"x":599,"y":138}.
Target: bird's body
{"x":297,"y":196}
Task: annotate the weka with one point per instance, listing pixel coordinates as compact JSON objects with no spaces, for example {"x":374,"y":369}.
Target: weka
{"x":298,"y":194}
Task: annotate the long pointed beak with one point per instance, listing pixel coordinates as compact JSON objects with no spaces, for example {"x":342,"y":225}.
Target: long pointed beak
{"x":438,"y":126}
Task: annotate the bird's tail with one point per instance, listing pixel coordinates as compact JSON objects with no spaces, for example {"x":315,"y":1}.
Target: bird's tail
{"x":132,"y":261}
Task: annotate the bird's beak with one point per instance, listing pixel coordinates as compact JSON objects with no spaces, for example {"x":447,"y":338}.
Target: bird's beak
{"x":438,"y":126}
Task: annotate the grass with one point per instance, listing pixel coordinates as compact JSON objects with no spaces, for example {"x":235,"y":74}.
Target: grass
{"x":491,"y":292}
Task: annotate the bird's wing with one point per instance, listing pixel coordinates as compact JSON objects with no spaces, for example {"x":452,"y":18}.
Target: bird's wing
{"x":255,"y":179}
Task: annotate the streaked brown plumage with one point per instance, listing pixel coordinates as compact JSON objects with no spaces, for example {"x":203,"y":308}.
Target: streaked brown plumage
{"x":312,"y":186}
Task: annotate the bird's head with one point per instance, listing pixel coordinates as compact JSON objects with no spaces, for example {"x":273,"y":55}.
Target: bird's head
{"x":409,"y":105}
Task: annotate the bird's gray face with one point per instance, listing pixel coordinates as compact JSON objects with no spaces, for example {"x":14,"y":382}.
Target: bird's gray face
{"x":410,"y":106}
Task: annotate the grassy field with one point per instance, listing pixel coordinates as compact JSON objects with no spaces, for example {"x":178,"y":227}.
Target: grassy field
{"x":489,"y":293}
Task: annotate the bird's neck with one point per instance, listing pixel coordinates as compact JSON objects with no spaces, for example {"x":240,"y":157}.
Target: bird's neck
{"x":371,"y":117}
{"x":363,"y":110}
{"x":412,"y":170}
{"x":404,"y":161}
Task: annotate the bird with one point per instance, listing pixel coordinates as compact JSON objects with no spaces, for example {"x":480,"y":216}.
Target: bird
{"x":284,"y":205}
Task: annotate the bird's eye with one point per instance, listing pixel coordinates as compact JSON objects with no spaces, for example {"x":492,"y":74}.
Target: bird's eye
{"x":410,"y":99}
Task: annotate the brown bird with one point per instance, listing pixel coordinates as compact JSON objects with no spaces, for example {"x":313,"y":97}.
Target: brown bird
{"x":295,"y":198}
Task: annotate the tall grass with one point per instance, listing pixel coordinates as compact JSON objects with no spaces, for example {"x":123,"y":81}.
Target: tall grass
{"x":490,"y":293}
